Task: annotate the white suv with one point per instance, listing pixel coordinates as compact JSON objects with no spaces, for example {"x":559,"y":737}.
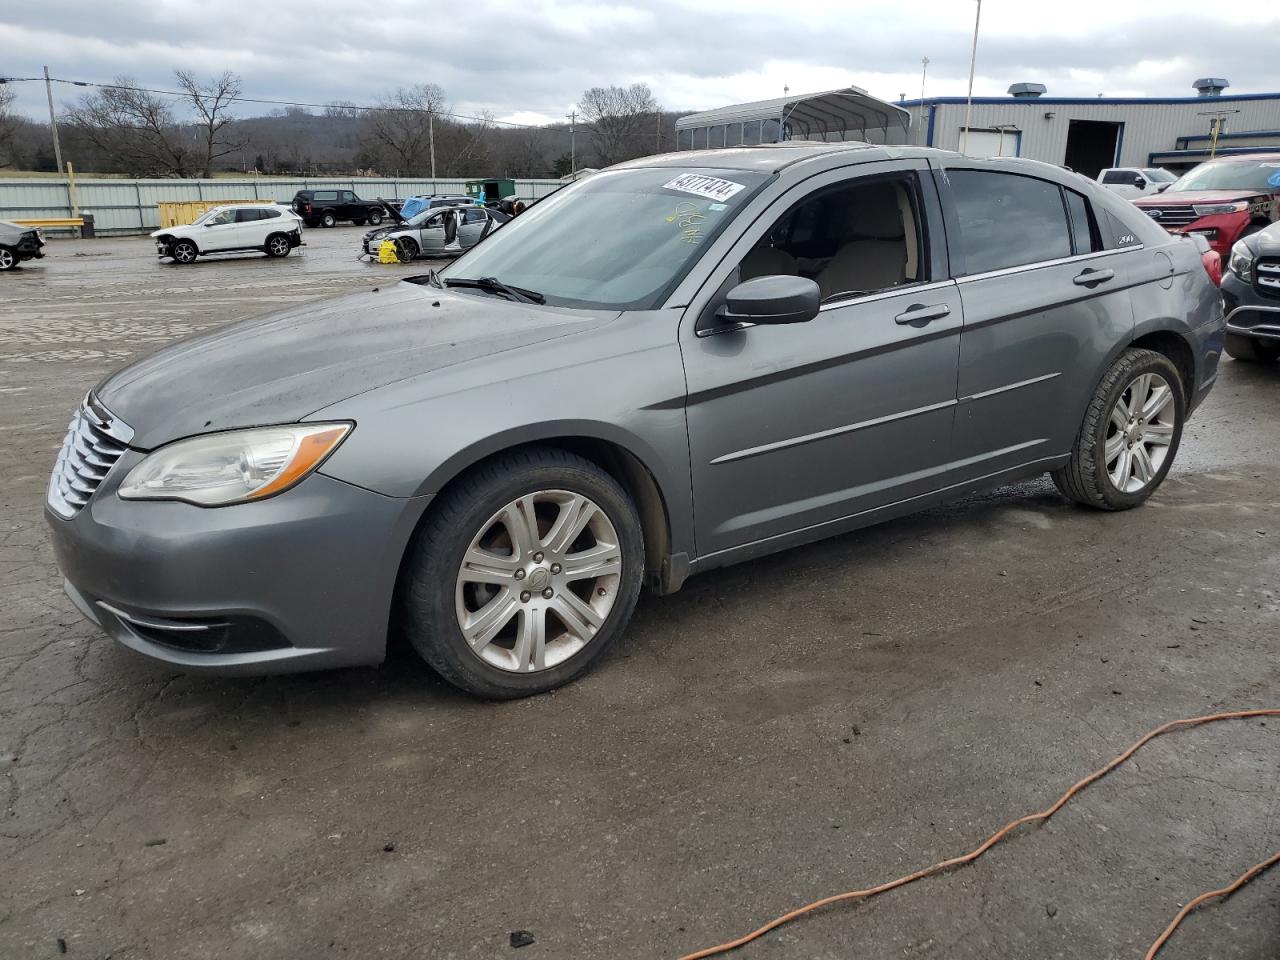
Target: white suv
{"x":1130,"y":182}
{"x":273,"y":229}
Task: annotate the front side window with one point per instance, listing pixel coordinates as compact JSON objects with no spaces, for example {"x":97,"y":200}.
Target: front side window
{"x":1118,"y":176}
{"x":859,"y":237}
{"x":620,"y":239}
{"x":226,"y":216}
{"x":1007,"y":220}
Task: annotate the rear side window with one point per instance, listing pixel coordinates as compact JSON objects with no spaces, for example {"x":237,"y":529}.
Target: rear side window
{"x":1085,"y":237}
{"x":270,"y":214}
{"x":326,"y":195}
{"x":1007,"y":220}
{"x":246,"y":215}
{"x":1118,"y":176}
{"x":475,"y":216}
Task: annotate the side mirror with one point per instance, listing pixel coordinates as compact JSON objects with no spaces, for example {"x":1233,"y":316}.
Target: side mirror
{"x":777,"y":299}
{"x":1139,"y":183}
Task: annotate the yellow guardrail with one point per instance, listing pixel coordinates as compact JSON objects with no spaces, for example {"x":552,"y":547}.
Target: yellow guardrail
{"x":177,"y":213}
{"x":51,"y":222}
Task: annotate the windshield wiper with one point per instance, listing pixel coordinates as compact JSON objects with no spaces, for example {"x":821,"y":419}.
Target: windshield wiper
{"x":494,"y":285}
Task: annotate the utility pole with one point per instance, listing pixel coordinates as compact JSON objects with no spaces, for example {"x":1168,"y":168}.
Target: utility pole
{"x":573,"y":143}
{"x":924,"y":73}
{"x":53,"y":124}
{"x":973,"y":63}
{"x":657,"y":134}
{"x":431,"y":136}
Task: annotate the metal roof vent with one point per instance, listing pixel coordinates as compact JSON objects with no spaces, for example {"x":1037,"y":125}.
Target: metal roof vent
{"x":1028,"y":91}
{"x":1210,"y":86}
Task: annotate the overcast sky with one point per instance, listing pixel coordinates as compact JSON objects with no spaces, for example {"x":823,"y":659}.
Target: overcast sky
{"x":530,"y":61}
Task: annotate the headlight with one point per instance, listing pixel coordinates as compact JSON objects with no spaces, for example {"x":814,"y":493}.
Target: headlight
{"x":1241,"y":261}
{"x":224,"y":468}
{"x":1209,"y":209}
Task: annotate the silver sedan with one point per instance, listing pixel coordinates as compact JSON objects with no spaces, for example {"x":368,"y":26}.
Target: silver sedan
{"x":437,"y":232}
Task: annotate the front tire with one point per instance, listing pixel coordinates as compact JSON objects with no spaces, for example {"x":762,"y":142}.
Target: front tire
{"x":1130,"y":434}
{"x":524,"y":574}
{"x":406,"y":249}
{"x":277,"y":245}
{"x":1251,"y":350}
{"x":184,"y":251}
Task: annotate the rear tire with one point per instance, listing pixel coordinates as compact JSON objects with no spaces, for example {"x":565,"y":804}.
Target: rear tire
{"x":502,"y":553}
{"x":327,"y":219}
{"x":1251,"y":350}
{"x":1122,"y":455}
{"x":277,"y":245}
{"x":184,"y":252}
{"x":8,"y":259}
{"x":375,"y":218}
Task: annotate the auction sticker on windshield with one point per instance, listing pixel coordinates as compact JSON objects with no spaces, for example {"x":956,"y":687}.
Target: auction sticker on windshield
{"x":700,"y":185}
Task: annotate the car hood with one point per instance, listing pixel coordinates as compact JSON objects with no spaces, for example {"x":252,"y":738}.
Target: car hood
{"x":1196,"y":196}
{"x":281,"y":367}
{"x":1266,"y":243}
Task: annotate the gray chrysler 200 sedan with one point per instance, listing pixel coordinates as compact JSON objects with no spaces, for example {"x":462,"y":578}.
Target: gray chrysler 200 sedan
{"x":678,"y":363}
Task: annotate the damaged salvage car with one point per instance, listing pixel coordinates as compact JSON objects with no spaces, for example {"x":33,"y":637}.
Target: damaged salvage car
{"x":18,"y":243}
{"x":676,"y":364}
{"x":436,"y":231}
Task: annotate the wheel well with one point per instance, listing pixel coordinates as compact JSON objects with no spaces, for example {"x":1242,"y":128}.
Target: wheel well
{"x":1177,"y":350}
{"x":625,"y":468}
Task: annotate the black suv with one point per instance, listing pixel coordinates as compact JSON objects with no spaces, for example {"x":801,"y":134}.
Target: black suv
{"x":324,"y":208}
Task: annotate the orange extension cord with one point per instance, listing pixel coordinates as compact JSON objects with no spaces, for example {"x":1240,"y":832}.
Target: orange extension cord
{"x":1009,"y":828}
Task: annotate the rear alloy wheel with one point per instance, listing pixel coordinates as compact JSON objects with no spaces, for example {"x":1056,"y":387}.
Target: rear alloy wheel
{"x":8,"y":259}
{"x":375,"y":218}
{"x":1251,"y":350}
{"x":1130,"y":434}
{"x":184,"y":251}
{"x":328,"y":220}
{"x":406,"y":249}
{"x":278,"y":245}
{"x":524,"y":574}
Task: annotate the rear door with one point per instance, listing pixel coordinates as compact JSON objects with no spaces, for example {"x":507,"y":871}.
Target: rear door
{"x":474,"y":226}
{"x":250,"y":227}
{"x":1045,"y":302}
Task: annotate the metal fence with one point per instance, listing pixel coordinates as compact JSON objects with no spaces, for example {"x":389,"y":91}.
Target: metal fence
{"x":129,"y":206}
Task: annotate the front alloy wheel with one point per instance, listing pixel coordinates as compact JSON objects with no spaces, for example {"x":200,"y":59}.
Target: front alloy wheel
{"x":538,"y":581}
{"x":184,"y":251}
{"x":523,"y":573}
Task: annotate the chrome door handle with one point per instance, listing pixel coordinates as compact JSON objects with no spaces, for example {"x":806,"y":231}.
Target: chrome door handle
{"x":918,"y":314}
{"x":1091,"y":278}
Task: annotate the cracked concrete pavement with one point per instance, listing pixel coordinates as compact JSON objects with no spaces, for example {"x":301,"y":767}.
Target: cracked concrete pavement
{"x":778,"y":731}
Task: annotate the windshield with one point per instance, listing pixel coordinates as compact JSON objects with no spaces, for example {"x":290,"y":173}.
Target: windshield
{"x":1230,"y":175}
{"x":1160,"y":176}
{"x":206,"y":215}
{"x":619,"y":239}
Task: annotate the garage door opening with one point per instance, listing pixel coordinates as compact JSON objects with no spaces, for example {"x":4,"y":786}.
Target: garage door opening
{"x":1091,"y":146}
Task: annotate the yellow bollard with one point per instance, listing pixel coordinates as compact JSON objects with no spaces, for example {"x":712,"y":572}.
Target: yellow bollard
{"x":387,"y":252}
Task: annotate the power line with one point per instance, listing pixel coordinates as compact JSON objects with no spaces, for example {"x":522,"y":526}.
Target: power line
{"x":279,"y":103}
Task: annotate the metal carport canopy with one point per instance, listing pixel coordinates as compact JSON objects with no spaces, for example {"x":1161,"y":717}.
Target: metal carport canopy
{"x":831,"y":111}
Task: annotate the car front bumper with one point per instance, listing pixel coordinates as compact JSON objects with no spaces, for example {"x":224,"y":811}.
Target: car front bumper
{"x":1255,"y":314}
{"x":301,"y":581}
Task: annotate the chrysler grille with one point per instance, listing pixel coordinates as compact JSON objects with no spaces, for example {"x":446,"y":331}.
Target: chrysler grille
{"x":94,"y":442}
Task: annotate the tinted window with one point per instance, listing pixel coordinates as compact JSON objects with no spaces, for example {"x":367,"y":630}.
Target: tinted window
{"x":1007,"y":220}
{"x":1084,"y":229}
{"x":268,"y":214}
{"x":245,"y":216}
{"x":1118,"y":176}
{"x":475,"y":216}
{"x":326,"y":195}
{"x":348,"y":196}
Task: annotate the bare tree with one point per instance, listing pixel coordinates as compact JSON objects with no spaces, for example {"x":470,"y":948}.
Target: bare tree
{"x":134,"y":130}
{"x":402,"y":127}
{"x":621,"y":120}
{"x":343,"y":109}
{"x":211,"y":100}
{"x":8,"y":128}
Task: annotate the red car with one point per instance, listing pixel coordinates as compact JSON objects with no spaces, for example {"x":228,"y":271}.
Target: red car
{"x":1221,"y":200}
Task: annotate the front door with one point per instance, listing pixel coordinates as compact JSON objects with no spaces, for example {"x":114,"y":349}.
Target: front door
{"x":799,"y":426}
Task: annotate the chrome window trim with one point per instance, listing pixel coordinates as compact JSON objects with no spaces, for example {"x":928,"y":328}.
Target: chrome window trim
{"x":884,"y":294}
{"x":1040,"y":264}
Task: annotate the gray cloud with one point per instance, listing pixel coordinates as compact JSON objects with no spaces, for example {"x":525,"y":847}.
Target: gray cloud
{"x":537,"y":57}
